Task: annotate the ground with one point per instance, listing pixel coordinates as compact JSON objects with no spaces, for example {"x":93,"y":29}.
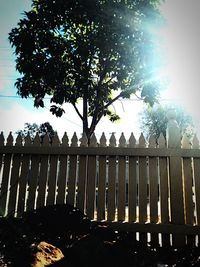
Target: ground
{"x":81,"y":242}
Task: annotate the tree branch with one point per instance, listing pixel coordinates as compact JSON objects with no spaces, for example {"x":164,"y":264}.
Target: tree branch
{"x":77,"y":111}
{"x":113,"y":100}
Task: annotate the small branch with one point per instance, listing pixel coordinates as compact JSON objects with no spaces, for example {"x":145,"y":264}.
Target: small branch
{"x":112,"y":101}
{"x":77,"y":111}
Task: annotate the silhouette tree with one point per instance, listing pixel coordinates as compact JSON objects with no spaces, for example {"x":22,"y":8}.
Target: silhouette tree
{"x":42,"y":129}
{"x":153,"y":121}
{"x":92,"y":52}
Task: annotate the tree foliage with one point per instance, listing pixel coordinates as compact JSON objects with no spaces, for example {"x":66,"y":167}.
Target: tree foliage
{"x":96,"y":51}
{"x":153,"y":121}
{"x":33,"y":128}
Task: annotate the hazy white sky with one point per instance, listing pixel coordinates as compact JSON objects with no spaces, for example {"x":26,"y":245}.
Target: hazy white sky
{"x":181,"y":41}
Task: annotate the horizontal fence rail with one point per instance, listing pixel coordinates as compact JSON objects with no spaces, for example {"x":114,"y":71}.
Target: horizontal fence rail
{"x":150,"y":188}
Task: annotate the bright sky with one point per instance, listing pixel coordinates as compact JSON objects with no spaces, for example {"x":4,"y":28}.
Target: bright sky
{"x":181,"y":41}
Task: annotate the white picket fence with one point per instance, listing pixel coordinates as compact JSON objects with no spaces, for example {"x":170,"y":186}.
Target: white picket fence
{"x":149,"y":187}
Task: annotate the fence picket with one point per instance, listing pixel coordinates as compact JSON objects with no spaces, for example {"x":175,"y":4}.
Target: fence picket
{"x":153,"y":189}
{"x":142,"y":189}
{"x":72,"y":180}
{"x":33,"y":176}
{"x":14,"y":180}
{"x":81,"y":197}
{"x":111,"y":188}
{"x":132,"y":189}
{"x":188,"y":194}
{"x":102,"y":183}
{"x":23,"y":179}
{"x":52,"y":181}
{"x":91,"y":186}
{"x":111,"y":205}
{"x":1,"y":155}
{"x":132,"y":182}
{"x":164,"y":191}
{"x":23,"y":184}
{"x":62,"y":174}
{"x":43,"y":176}
{"x":101,"y":197}
{"x":176,"y":182}
{"x":121,"y":186}
{"x":5,"y":178}
{"x":91,"y":181}
{"x":196,"y":162}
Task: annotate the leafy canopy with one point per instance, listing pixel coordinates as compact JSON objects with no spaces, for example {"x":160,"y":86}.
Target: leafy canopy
{"x":96,"y":51}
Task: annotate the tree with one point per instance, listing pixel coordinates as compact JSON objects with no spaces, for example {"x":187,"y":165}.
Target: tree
{"x":153,"y":121}
{"x":94,"y":51}
{"x":42,"y":129}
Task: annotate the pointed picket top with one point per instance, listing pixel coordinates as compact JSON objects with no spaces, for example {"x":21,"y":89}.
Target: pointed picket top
{"x":161,"y":141}
{"x":37,"y":140}
{"x":112,"y":140}
{"x":65,"y":140}
{"x":10,"y":139}
{"x":122,"y":140}
{"x":173,"y":133}
{"x":195,"y":142}
{"x":2,"y":139}
{"x":142,"y":141}
{"x":132,"y":141}
{"x":55,"y":140}
{"x":93,"y":141}
{"x":186,"y":142}
{"x":18,"y":141}
{"x":152,"y":141}
{"x":103,"y":140}
{"x":27,"y":140}
{"x":83,"y":140}
{"x":45,"y":141}
{"x":74,"y":140}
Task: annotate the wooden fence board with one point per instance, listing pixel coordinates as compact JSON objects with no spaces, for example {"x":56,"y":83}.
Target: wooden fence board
{"x":197,"y":188}
{"x":52,"y":181}
{"x":121,"y":188}
{"x":42,"y":182}
{"x":176,"y":189}
{"x":62,"y":179}
{"x":111,"y":189}
{"x":14,"y":182}
{"x":33,"y":181}
{"x":81,"y":197}
{"x":101,"y":198}
{"x":91,"y":187}
{"x":5,"y":183}
{"x":72,"y":180}
{"x":164,"y":195}
{"x":1,"y":162}
{"x":132,"y":189}
{"x":153,"y":194}
{"x":142,"y":187}
{"x":23,"y":180}
{"x":188,"y":196}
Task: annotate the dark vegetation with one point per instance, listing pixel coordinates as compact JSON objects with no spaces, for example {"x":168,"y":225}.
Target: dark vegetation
{"x":153,"y":121}
{"x":31,"y":129}
{"x":82,"y":242}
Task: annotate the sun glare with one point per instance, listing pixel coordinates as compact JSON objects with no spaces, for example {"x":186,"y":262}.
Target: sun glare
{"x":181,"y":42}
